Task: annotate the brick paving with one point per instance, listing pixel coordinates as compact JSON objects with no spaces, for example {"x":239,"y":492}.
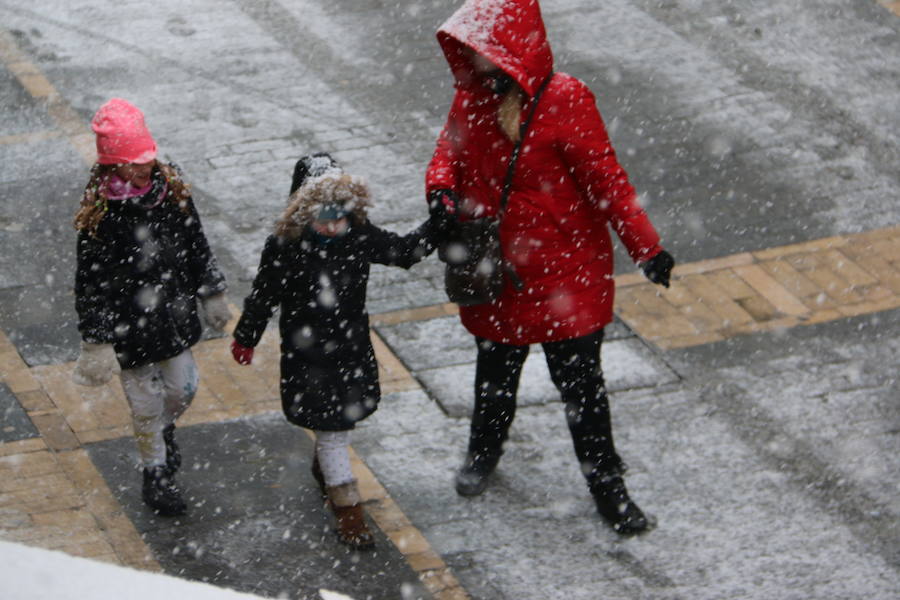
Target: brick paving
{"x":771,"y":289}
{"x":891,"y":5}
{"x":52,"y":496}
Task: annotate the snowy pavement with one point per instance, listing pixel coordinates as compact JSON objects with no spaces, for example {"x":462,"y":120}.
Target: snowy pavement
{"x":255,"y":523}
{"x":770,"y":464}
{"x":75,"y":577}
{"x":770,"y":460}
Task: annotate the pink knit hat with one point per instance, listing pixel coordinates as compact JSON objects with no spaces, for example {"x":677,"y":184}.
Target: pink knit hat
{"x":122,"y":135}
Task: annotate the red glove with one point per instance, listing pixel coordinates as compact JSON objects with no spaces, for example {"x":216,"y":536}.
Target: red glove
{"x":242,"y":354}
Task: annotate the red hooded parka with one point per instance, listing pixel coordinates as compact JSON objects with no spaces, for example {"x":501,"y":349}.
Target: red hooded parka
{"x":568,"y":184}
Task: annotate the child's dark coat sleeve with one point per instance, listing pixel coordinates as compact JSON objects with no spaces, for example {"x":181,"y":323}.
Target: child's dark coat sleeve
{"x":201,"y":260}
{"x":96,"y":320}
{"x":268,"y":287}
{"x":388,"y":248}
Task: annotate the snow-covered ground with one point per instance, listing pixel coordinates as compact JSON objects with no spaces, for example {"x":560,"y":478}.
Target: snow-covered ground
{"x":36,"y":574}
{"x":771,"y":463}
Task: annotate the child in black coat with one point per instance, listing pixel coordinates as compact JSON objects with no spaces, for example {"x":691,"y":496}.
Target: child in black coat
{"x":316,"y":268}
{"x":143,"y":267}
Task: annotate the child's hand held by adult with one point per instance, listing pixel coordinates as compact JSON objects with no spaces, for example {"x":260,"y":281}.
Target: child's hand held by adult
{"x":442,"y":206}
{"x":443,"y":201}
{"x":242,"y":354}
{"x":96,"y":364}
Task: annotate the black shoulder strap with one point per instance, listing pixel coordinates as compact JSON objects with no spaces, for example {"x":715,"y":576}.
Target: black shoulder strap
{"x":511,"y":170}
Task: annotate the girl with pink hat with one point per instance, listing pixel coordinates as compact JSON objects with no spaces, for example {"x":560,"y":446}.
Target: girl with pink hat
{"x":143,"y":267}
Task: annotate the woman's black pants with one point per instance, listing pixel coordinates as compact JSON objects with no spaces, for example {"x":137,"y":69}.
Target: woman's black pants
{"x":575,"y":369}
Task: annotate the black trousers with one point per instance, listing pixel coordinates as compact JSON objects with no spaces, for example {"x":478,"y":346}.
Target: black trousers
{"x":575,"y":370}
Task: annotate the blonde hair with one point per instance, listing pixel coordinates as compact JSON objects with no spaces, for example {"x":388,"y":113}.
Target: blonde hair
{"x":346,"y":191}
{"x":95,"y":204}
{"x":509,"y":113}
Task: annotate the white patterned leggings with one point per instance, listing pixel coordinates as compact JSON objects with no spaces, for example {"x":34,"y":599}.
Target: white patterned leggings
{"x":158,"y":394}
{"x":332,"y":448}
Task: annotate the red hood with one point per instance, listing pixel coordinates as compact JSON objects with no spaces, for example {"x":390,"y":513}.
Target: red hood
{"x":509,"y":33}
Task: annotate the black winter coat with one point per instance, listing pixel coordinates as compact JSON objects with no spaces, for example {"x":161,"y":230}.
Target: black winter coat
{"x":138,"y":279}
{"x":329,"y":377}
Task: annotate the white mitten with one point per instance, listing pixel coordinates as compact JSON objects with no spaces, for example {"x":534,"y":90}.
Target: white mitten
{"x":96,"y":364}
{"x":216,"y":310}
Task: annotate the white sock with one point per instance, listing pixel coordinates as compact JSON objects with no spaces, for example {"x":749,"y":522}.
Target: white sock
{"x":332,"y":448}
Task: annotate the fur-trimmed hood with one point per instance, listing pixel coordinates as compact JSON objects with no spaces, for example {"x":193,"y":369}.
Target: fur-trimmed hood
{"x":332,"y":187}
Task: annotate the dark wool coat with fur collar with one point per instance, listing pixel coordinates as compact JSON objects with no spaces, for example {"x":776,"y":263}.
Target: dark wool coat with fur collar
{"x":329,"y":377}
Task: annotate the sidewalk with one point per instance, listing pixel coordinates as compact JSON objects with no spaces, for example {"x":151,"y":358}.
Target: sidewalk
{"x":257,"y":522}
{"x":801,"y":423}
{"x":769,"y":462}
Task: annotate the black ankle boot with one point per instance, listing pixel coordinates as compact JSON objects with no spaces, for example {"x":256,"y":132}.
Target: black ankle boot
{"x":616,"y":507}
{"x":161,"y":493}
{"x":472,"y":477}
{"x":173,"y":453}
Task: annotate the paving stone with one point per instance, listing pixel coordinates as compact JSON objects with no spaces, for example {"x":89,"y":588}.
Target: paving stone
{"x":627,"y":364}
{"x":98,"y":499}
{"x":416,"y":342}
{"x":35,"y":400}
{"x":55,"y":431}
{"x":791,"y":279}
{"x":15,"y":422}
{"x":22,"y":447}
{"x":438,"y":342}
{"x":785,"y":302}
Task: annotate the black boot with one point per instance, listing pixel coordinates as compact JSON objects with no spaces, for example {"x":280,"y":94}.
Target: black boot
{"x":173,"y":453}
{"x":616,"y":507}
{"x":472,"y":477}
{"x":161,"y":493}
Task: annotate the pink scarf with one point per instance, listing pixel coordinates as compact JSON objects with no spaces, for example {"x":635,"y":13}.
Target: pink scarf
{"x":120,"y":189}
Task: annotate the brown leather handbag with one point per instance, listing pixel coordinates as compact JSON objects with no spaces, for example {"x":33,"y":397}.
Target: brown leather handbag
{"x":475,"y":269}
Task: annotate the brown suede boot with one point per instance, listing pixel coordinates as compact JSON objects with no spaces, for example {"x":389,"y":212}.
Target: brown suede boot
{"x":352,"y":530}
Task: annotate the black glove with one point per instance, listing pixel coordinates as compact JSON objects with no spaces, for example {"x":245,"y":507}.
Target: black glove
{"x":442,"y":206}
{"x":659,"y":268}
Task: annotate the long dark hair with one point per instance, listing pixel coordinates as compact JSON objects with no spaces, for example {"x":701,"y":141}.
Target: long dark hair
{"x":94,"y":203}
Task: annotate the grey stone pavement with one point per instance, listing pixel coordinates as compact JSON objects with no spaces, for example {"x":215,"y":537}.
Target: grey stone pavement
{"x":255,"y":523}
{"x":770,"y":461}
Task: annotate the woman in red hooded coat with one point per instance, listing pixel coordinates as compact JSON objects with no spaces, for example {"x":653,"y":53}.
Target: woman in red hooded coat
{"x":567,"y":188}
